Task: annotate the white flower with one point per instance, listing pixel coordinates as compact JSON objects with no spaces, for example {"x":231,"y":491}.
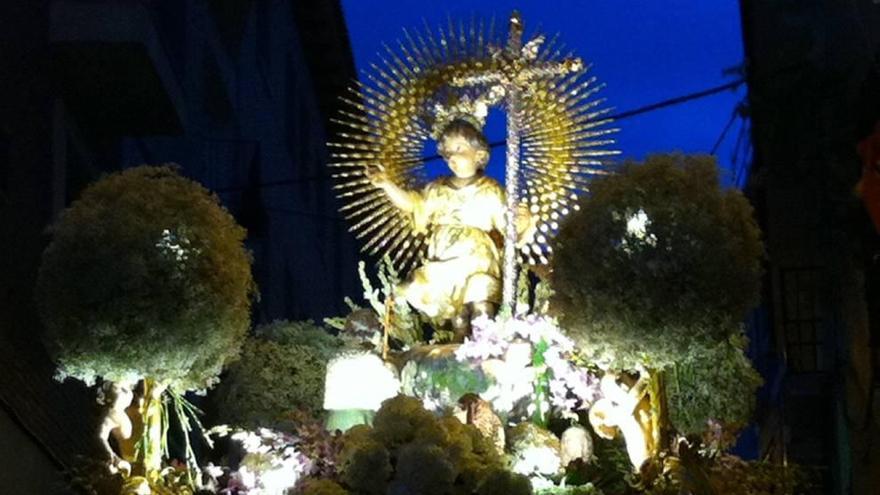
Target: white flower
{"x":537,"y":460}
{"x":213,"y":471}
{"x":249,"y":441}
{"x":176,"y":246}
{"x":637,"y":224}
{"x":272,"y":464}
{"x":505,"y":348}
{"x":637,"y":228}
{"x":480,"y":109}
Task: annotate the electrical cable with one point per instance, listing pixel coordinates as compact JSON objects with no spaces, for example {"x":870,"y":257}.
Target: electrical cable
{"x":495,"y":144}
{"x":723,"y":134}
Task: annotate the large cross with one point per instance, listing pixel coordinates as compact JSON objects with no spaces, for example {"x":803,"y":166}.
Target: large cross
{"x":517,"y":69}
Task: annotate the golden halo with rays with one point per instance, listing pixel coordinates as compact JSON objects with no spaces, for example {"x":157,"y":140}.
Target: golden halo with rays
{"x":563,"y":134}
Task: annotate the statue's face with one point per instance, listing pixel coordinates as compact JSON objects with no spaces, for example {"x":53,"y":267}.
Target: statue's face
{"x":124,"y":396}
{"x":462,"y":158}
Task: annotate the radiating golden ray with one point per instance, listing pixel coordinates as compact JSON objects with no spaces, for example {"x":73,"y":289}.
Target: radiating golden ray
{"x":386,"y":220}
{"x":564,"y":133}
{"x":373,"y":195}
{"x":390,"y":229}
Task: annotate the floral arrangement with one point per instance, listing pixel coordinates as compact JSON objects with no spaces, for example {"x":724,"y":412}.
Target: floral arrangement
{"x":534,"y":454}
{"x":271,"y":464}
{"x":410,"y":450}
{"x":652,"y":277}
{"x":657,"y":259}
{"x":530,"y":357}
{"x":406,"y":323}
{"x":320,"y":446}
{"x":146,"y":277}
{"x":646,"y":346}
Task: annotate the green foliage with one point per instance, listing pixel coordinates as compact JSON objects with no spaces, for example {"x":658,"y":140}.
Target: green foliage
{"x":282,"y":369}
{"x":303,"y":333}
{"x":729,"y":475}
{"x":322,"y":487}
{"x":734,"y":476}
{"x":91,"y":477}
{"x":715,"y":384}
{"x":610,"y":471}
{"x":407,"y":324}
{"x":587,"y":489}
{"x":409,"y":450}
{"x":404,"y":420}
{"x":146,"y":276}
{"x":338,"y":322}
{"x":657,"y":259}
{"x":542,"y":384}
{"x":504,"y":482}
{"x":366,"y":466}
{"x":443,"y":381}
{"x":320,"y":446}
{"x":423,"y":469}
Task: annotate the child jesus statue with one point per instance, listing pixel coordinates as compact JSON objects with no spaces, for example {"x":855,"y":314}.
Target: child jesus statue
{"x":464,"y":217}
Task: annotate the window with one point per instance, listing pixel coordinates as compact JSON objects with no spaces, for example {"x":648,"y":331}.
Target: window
{"x":801,"y":323}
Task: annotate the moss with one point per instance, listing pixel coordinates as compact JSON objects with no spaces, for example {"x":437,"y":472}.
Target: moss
{"x":427,"y":454}
{"x":472,"y":453}
{"x":366,"y":467}
{"x":402,"y":420}
{"x":503,"y":482}
{"x":423,"y":469}
{"x":354,"y":439}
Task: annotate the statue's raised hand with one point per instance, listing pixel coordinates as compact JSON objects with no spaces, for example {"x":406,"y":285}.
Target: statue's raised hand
{"x":377,"y":176}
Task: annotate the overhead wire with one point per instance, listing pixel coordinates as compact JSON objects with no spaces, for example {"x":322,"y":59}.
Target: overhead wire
{"x":495,"y":144}
{"x":737,"y":111}
{"x":733,"y":115}
{"x":623,"y":115}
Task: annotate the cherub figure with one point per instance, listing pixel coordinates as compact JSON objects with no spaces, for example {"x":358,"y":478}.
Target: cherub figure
{"x":625,"y":409}
{"x":463,"y":215}
{"x":116,"y":398}
{"x":132,"y":415}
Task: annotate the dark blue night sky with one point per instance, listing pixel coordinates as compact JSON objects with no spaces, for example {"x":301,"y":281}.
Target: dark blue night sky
{"x":645,"y":51}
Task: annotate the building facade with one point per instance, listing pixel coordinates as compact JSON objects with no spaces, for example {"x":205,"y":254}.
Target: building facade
{"x":237,"y":93}
{"x":812,"y":69}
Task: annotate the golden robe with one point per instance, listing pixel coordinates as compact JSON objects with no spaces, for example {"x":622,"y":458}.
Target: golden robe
{"x":463,"y":263}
